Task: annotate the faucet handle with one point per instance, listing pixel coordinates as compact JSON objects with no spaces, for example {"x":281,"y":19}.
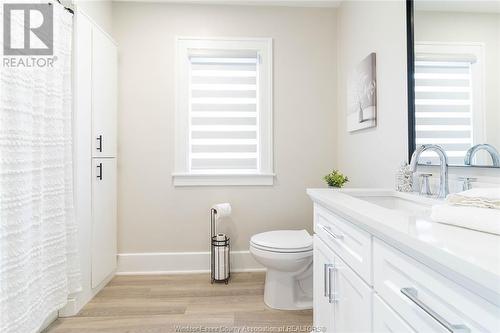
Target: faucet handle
{"x":466,"y":182}
{"x":425,"y":186}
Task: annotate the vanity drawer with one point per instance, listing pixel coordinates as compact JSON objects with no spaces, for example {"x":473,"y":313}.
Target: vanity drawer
{"x":350,"y":243}
{"x":428,"y":301}
{"x":385,"y":320}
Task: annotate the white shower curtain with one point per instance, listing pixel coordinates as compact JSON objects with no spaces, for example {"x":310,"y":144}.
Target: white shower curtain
{"x":38,"y":259}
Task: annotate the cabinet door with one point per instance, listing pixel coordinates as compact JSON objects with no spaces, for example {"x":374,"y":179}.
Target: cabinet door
{"x":104,"y":95}
{"x":353,"y":300}
{"x":103,"y":219}
{"x":322,"y":308}
{"x":385,"y":320}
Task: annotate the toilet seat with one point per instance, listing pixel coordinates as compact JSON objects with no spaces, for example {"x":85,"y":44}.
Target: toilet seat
{"x":280,"y":250}
{"x":283,"y":241}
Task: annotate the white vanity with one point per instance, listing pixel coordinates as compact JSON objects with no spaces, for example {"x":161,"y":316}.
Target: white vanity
{"x":381,"y":265}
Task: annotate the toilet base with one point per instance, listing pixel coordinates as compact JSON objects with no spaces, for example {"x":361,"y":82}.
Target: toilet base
{"x":284,"y":291}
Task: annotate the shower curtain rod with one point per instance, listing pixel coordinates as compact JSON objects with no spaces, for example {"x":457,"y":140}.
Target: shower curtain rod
{"x":68,"y":9}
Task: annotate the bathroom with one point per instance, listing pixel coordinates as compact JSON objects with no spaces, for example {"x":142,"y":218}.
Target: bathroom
{"x":250,"y":166}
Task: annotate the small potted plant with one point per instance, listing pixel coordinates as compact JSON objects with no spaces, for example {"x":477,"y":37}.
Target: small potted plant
{"x":335,"y":179}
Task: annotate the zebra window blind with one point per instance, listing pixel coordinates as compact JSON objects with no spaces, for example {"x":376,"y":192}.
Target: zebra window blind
{"x":223,"y":113}
{"x":444,"y":108}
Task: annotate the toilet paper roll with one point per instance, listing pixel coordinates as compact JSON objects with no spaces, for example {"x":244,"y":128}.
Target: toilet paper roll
{"x":220,"y":237}
{"x":223,"y":209}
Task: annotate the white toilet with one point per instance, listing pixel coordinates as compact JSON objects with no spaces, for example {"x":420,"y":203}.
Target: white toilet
{"x":288,"y":257}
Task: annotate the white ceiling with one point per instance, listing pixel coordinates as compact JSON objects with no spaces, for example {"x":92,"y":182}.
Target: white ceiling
{"x":289,"y":3}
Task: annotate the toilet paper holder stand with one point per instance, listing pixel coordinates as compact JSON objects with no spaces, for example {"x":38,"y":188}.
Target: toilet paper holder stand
{"x":219,"y":252}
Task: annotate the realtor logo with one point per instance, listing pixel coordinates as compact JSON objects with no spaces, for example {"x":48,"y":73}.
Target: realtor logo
{"x":28,"y":29}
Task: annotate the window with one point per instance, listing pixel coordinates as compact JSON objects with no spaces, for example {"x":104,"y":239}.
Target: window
{"x":448,"y":99}
{"x":224,"y":112}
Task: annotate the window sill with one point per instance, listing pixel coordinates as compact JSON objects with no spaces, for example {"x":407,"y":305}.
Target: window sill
{"x":189,"y":179}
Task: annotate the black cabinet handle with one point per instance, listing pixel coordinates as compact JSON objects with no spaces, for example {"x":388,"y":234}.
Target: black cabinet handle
{"x":99,"y":174}
{"x":99,"y":141}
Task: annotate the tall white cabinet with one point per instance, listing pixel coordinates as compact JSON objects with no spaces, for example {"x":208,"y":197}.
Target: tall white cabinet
{"x":95,"y":150}
{"x":104,"y":94}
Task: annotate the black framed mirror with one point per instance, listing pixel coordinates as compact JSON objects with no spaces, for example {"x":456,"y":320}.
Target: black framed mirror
{"x":410,"y":65}
{"x":453,"y":64}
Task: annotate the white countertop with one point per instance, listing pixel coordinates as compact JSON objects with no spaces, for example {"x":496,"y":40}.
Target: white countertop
{"x":470,"y":258}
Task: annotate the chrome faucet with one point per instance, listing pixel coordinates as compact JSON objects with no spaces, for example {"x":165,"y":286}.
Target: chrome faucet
{"x":443,"y":161}
{"x":495,"y":156}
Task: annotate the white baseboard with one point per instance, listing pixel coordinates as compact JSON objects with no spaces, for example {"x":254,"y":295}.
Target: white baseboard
{"x":180,"y":262}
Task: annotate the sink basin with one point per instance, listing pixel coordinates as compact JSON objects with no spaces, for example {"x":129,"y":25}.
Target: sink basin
{"x":398,"y":204}
{"x":409,"y":204}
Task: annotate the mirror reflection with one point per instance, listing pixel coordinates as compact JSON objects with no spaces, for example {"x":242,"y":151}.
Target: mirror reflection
{"x":457,"y":80}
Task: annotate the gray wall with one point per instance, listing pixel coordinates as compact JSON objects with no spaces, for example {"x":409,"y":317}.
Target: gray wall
{"x":154,"y":216}
{"x":371,"y":157}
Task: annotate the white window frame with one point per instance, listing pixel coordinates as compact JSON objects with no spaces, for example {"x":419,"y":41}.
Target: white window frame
{"x":474,"y":50}
{"x":182,"y":176}
{"x":461,"y":50}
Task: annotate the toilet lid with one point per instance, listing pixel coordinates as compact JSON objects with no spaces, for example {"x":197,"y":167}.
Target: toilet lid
{"x":283,"y":240}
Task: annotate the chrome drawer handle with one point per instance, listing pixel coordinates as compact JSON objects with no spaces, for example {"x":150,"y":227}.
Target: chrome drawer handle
{"x":329,"y":231}
{"x":326,"y":279}
{"x":412,"y":294}
{"x":332,"y":290}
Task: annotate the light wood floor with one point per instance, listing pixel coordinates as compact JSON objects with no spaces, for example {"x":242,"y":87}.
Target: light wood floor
{"x":176,"y":303}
